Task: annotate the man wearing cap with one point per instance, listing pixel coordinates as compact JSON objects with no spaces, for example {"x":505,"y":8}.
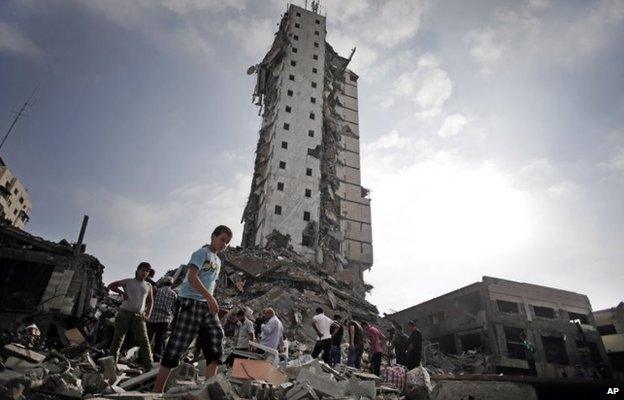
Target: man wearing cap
{"x":162,"y":315}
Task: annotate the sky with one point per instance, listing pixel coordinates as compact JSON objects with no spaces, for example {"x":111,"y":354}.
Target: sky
{"x":492,"y":132}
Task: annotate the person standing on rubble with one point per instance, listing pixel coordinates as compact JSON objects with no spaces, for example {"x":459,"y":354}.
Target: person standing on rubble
{"x":321,"y":324}
{"x":245,"y":331}
{"x":400,"y":341}
{"x":272,"y":331}
{"x":414,"y":348}
{"x":198,"y":310}
{"x":356,"y":344}
{"x":336,"y":330}
{"x":134,"y":311}
{"x":162,"y":316}
{"x":375,"y":338}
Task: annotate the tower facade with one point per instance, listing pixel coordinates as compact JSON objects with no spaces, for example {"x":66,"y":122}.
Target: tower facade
{"x":306,"y":181}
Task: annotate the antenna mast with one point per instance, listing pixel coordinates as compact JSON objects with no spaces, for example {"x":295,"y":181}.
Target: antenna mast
{"x":27,"y":103}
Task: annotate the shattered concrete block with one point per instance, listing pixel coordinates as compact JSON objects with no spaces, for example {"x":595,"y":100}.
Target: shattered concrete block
{"x":23,"y":353}
{"x":322,"y":383}
{"x":74,"y":337}
{"x":182,"y":375}
{"x":418,"y":393}
{"x":219,"y":388}
{"x":361,"y":388}
{"x":483,"y":390}
{"x":109,"y":368}
{"x":93,"y":382}
{"x":302,"y":390}
{"x":12,"y":391}
{"x":58,"y":385}
{"x":15,"y":363}
{"x":133,"y":383}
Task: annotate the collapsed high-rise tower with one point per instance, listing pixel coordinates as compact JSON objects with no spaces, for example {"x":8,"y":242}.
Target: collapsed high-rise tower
{"x":306,"y":181}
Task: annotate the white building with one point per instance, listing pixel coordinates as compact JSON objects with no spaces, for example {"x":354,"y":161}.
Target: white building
{"x":306,"y":180}
{"x":14,"y":201}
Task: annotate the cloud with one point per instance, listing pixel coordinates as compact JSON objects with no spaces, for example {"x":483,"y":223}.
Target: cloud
{"x":429,"y":86}
{"x":395,"y":21}
{"x":616,"y":161}
{"x":14,"y":42}
{"x":364,"y":56}
{"x":343,"y":10}
{"x":190,"y":6}
{"x":452,"y":125}
{"x":254,"y":35}
{"x":485,"y":50}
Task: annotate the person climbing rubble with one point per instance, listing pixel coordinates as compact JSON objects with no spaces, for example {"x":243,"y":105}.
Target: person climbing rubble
{"x":134,"y":311}
{"x":162,"y":316}
{"x":198,"y":310}
{"x":321,"y":324}
{"x":272,"y":331}
{"x":376,"y":340}
{"x":356,"y":344}
{"x":336,"y":331}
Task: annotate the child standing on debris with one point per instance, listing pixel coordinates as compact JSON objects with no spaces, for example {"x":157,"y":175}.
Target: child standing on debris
{"x":198,"y":310}
{"x":245,"y":331}
{"x":162,"y":316}
{"x":133,"y":313}
{"x":376,"y":339}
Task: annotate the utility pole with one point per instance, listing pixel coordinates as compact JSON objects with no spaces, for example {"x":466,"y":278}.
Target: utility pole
{"x":27,"y":103}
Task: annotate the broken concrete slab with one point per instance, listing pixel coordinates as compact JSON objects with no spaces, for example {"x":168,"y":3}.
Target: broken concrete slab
{"x":20,"y":351}
{"x":219,"y":388}
{"x":137,"y":381}
{"x":93,"y":382}
{"x":361,"y":388}
{"x":323,"y":383}
{"x":74,"y":337}
{"x":108,"y":367}
{"x":483,"y":390}
{"x":257,"y":370}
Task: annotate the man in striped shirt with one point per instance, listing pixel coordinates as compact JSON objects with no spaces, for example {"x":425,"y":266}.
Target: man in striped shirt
{"x":162,"y":315}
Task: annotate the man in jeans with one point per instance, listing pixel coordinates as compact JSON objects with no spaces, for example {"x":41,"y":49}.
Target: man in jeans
{"x":162,"y":316}
{"x":356,"y":344}
{"x":198,"y":310}
{"x":376,"y":339}
{"x":336,"y":332}
{"x":321,"y":324}
{"x":133,"y":312}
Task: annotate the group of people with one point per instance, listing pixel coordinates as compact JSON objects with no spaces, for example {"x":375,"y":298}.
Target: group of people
{"x":193,"y":314}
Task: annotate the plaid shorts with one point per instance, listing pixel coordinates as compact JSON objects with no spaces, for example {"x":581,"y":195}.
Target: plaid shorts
{"x":193,"y":320}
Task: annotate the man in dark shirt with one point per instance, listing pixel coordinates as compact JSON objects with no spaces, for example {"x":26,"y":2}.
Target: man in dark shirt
{"x":356,"y":344}
{"x":400,"y":341}
{"x":336,"y":330}
{"x":414,"y":348}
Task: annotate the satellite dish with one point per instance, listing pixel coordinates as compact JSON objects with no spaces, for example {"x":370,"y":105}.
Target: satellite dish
{"x":251,"y":70}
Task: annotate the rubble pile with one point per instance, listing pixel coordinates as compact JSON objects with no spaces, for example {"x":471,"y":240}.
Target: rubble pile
{"x":469,"y":362}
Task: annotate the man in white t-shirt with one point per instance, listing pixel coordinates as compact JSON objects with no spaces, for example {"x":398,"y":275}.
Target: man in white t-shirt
{"x":321,"y":324}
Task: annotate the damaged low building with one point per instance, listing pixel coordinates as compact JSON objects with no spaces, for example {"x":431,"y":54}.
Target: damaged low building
{"x":55,"y":283}
{"x":306,"y":183}
{"x":610,"y":323}
{"x":495,"y":315}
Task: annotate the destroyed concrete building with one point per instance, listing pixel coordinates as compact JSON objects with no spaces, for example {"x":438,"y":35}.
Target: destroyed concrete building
{"x":14,"y":200}
{"x":306,"y":183}
{"x":55,"y":283}
{"x":493,"y":315}
{"x":610,"y":323}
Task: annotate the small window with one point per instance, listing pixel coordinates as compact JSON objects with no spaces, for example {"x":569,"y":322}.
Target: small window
{"x":309,"y":171}
{"x":544,"y":312}
{"x":288,"y":109}
{"x":316,"y":44}
{"x":282,"y":164}
{"x":280,"y":186}
{"x":15,"y":191}
{"x":291,"y":77}
{"x":308,"y":193}
{"x":311,"y":133}
{"x":313,"y":100}
{"x":21,"y":200}
{"x":605,"y":330}
{"x":317,"y":21}
{"x":286,"y":126}
{"x":296,"y":37}
{"x":306,"y":216}
{"x":352,"y":78}
{"x":580,"y":318}
{"x":284,"y":145}
{"x":293,"y":63}
{"x":294,"y":49}
{"x":298,"y":14}
{"x":314,"y":56}
{"x":297,"y":25}
{"x":289,"y":93}
{"x":507,"y":307}
{"x":312,"y":115}
{"x":278,"y":210}
{"x":317,"y":33}
{"x":314,"y":70}
{"x":307,"y":240}
{"x":313,"y":84}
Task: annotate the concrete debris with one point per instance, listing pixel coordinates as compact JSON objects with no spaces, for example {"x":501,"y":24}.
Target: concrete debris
{"x":482,"y":390}
{"x":469,"y":362}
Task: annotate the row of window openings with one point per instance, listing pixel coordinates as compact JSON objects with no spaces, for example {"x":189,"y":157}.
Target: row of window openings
{"x":292,"y":78}
{"x":511,"y":307}
{"x":280,"y":187}
{"x":290,"y":93}
{"x":297,"y":25}
{"x":316,"y":20}
{"x":287,"y":128}
{"x":282,"y":165}
{"x":293,"y":63}
{"x":306,"y":214}
{"x":296,"y":37}
{"x":312,"y":100}
{"x":314,"y":56}
{"x":287,"y":125}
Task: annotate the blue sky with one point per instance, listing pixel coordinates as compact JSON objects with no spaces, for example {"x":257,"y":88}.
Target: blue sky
{"x":492,"y":132}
